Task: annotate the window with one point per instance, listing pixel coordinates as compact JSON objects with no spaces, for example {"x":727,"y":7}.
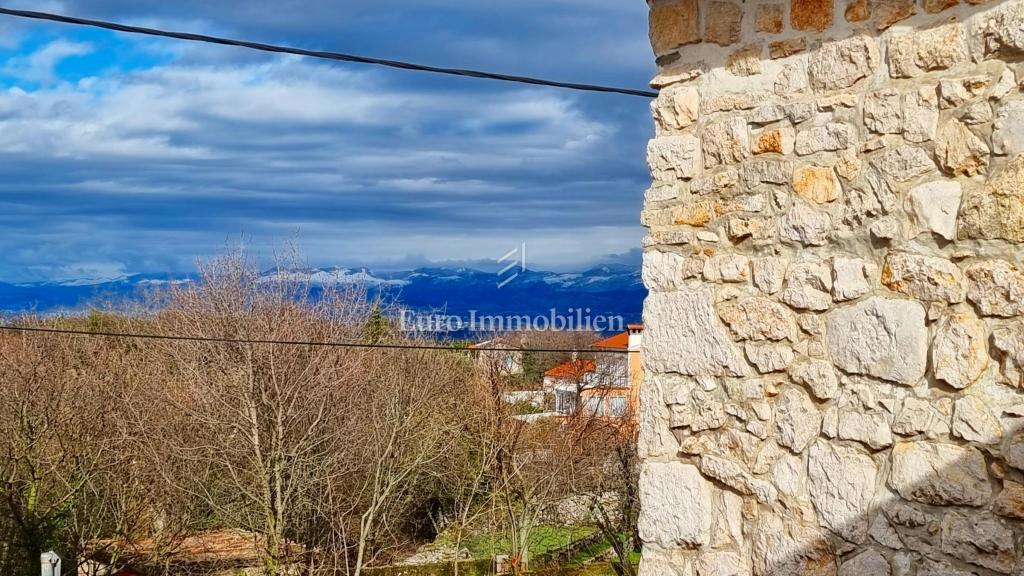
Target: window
{"x":593,"y":406}
{"x":617,"y":406}
{"x":565,"y":402}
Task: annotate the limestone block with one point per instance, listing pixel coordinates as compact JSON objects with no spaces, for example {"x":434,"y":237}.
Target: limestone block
{"x":676,"y":508}
{"x":841,"y":482}
{"x":830,"y":137}
{"x":818,"y":375}
{"x":725,"y":142}
{"x":1008,"y":128}
{"x":658,"y":561}
{"x":769,"y":273}
{"x":934,"y":207}
{"x":727,"y":268}
{"x":960,"y":351}
{"x":880,"y":337}
{"x":817,"y":184}
{"x":938,"y":568}
{"x":868,"y":562}
{"x":997,"y":211}
{"x":674,"y":157}
{"x":1000,"y":32}
{"x":758,"y":319}
{"x":767,"y":172}
{"x":923,"y":277}
{"x":850,"y":278}
{"x":883,"y":112}
{"x":806,"y":225}
{"x":885,"y":13}
{"x":674,"y":24}
{"x":788,"y":547}
{"x":974,"y":421}
{"x":677,"y":107}
{"x":814,"y":15}
{"x":920,"y":114}
{"x":772,"y":357}
{"x":797,"y":420}
{"x":869,"y":428}
{"x":1010,"y":502}
{"x":808,"y":285}
{"x":773,"y":140}
{"x":955,"y":92}
{"x":959,"y":151}
{"x":922,"y":51}
{"x":940,"y":474}
{"x":769,"y":18}
{"x":1009,"y":340}
{"x":996,"y":287}
{"x":721,"y":563}
{"x":903,"y":163}
{"x":746,"y":61}
{"x":980,"y":540}
{"x":723,"y":25}
{"x":684,"y":335}
{"x":841,"y":64}
{"x":922,"y":416}
{"x":786,"y":48}
{"x":979,"y":113}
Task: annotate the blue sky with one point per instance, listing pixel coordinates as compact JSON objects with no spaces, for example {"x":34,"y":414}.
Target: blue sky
{"x":122,"y":154}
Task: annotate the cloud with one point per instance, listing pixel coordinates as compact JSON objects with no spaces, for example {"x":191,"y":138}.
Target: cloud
{"x":38,"y":67}
{"x":148,"y":167}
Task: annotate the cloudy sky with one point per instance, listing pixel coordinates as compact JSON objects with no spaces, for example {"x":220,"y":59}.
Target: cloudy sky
{"x":124,"y":154}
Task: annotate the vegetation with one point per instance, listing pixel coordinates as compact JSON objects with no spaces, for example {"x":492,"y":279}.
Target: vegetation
{"x":334,"y":458}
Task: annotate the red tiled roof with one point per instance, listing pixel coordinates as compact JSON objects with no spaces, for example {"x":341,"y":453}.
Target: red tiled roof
{"x":572,"y":369}
{"x":617,"y":342}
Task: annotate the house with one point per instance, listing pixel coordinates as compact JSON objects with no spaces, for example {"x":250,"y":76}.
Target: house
{"x":499,"y":355}
{"x":565,"y":381}
{"x":607,"y":386}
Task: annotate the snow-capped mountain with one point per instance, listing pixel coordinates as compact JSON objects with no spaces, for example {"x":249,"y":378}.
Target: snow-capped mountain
{"x":610,"y":289}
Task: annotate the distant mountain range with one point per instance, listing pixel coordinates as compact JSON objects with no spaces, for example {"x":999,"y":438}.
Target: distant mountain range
{"x":614,"y":289}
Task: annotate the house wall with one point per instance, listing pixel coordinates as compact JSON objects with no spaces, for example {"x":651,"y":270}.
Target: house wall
{"x":834,"y":337}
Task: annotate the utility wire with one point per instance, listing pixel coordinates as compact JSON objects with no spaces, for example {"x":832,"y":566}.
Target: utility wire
{"x":217,"y":340}
{"x":321,"y":54}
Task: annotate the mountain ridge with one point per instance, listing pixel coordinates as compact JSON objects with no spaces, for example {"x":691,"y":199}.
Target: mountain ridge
{"x":610,"y":289}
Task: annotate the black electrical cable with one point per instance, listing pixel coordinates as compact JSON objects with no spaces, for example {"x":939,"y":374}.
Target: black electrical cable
{"x":322,"y":54}
{"x":217,"y":340}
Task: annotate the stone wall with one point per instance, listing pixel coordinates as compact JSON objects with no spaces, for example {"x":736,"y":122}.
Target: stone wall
{"x":834,"y":344}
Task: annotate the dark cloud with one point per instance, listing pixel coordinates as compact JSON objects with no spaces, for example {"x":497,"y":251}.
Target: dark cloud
{"x":146,"y":168}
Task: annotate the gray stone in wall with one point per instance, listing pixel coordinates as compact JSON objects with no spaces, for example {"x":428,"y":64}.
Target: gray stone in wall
{"x":880,"y":337}
{"x":980,"y":540}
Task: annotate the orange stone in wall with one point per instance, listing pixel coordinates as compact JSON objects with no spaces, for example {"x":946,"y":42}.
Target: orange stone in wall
{"x":811,"y":14}
{"x":722,"y":23}
{"x":674,"y":24}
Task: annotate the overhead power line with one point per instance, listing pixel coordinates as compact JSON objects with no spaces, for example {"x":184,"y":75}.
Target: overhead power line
{"x":217,"y":340}
{"x":337,"y":56}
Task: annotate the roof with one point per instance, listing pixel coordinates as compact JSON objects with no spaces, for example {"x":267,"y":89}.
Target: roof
{"x":572,"y":369}
{"x":618,"y":342}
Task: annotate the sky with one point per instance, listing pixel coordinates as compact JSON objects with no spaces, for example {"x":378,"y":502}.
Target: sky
{"x":123,"y":154}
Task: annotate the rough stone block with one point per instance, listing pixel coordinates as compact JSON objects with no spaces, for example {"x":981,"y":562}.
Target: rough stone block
{"x":676,"y":507}
{"x":674,"y":24}
{"x":880,"y":337}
